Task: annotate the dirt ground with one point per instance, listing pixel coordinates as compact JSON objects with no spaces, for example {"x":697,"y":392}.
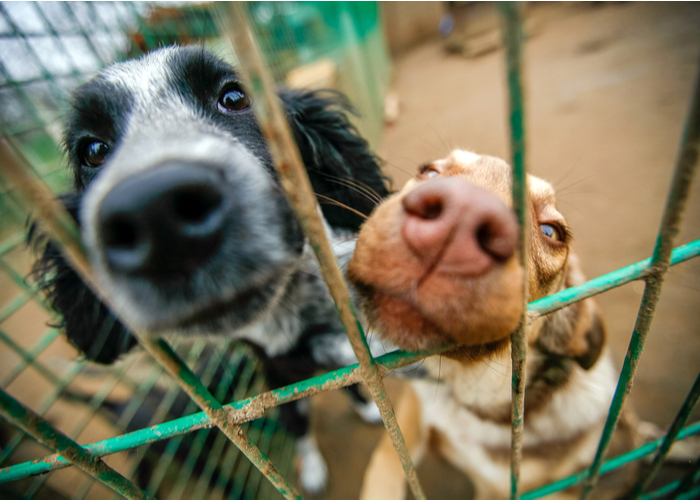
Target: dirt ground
{"x":608,"y":87}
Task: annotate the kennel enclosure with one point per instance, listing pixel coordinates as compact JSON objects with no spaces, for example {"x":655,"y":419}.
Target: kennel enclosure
{"x":28,"y":154}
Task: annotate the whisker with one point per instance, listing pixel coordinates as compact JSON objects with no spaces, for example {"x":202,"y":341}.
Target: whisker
{"x":337,"y":203}
{"x":356,"y":184}
{"x":373,"y":197}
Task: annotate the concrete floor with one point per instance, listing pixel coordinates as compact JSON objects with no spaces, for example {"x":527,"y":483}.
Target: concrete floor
{"x":608,"y":88}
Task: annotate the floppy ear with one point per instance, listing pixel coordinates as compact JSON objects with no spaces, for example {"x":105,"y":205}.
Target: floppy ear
{"x":87,"y":322}
{"x":576,"y":332}
{"x":338,"y":160}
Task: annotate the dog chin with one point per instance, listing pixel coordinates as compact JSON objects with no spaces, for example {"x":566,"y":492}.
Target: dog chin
{"x":218,"y":316}
{"x":401,"y":322}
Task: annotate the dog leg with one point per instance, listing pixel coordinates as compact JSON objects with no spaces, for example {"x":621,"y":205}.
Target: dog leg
{"x":384,"y":478}
{"x":311,"y":466}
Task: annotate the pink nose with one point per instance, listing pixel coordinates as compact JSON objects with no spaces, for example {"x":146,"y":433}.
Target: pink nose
{"x":458,"y":227}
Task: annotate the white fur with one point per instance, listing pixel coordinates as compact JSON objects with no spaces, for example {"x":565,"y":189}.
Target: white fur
{"x":313,"y":471}
{"x":368,"y":411}
{"x":582,"y":405}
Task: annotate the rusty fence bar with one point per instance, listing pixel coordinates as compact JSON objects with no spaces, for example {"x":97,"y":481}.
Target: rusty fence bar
{"x":370,"y":371}
{"x":513,"y":37}
{"x":296,"y":184}
{"x":686,"y":164}
{"x":41,"y":430}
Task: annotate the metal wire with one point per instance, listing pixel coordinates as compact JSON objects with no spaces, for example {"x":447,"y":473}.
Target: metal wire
{"x":43,"y":431}
{"x":295,"y":182}
{"x":229,"y":417}
{"x":513,"y":36}
{"x":671,"y":436}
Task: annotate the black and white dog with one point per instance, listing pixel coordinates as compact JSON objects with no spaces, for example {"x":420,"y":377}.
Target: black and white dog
{"x":187,"y":226}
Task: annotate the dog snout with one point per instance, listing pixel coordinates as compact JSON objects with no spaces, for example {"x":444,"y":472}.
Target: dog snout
{"x":457,"y":227}
{"x":163,"y":223}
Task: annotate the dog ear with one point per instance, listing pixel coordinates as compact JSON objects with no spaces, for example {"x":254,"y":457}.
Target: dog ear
{"x":576,"y":332}
{"x":338,"y":160}
{"x":87,"y":322}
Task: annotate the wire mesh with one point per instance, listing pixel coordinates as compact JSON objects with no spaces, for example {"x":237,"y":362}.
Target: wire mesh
{"x":46,"y":50}
{"x":33,"y":132}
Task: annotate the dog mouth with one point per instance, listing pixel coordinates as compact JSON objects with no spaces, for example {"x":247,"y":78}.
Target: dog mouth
{"x":229,"y":312}
{"x":400,"y":319}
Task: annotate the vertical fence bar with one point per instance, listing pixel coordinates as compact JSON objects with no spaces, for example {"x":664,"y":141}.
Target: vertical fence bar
{"x":675,"y":203}
{"x":296,"y":183}
{"x":41,"y":430}
{"x":644,"y":481}
{"x":513,"y":37}
{"x":66,"y":236}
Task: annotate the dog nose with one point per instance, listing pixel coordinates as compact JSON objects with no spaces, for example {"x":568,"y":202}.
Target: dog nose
{"x":458,"y":227}
{"x":163,"y":223}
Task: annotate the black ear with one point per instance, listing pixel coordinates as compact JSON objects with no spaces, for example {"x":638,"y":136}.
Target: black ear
{"x":87,"y":322}
{"x":576,"y":332}
{"x":339,"y":162}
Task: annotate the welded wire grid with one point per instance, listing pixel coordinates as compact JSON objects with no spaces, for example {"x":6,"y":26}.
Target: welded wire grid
{"x":46,"y":49}
{"x":229,"y":417}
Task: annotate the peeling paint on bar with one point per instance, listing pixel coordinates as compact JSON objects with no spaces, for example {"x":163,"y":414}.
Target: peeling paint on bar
{"x":513,"y":37}
{"x":686,"y":164}
{"x":41,"y":430}
{"x":344,"y":376}
{"x":37,"y":195}
{"x":296,"y":184}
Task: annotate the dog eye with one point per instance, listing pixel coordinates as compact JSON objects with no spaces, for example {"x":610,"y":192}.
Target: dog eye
{"x":234,"y":99}
{"x":551,"y":232}
{"x":95,"y":154}
{"x":427,"y":171}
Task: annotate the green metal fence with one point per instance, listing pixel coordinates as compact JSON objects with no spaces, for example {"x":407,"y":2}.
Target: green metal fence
{"x":25,"y":162}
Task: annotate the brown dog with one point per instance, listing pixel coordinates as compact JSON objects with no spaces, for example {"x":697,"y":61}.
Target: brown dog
{"x":437,"y":263}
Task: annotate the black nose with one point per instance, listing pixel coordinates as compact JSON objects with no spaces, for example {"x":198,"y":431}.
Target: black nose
{"x":164,"y":223}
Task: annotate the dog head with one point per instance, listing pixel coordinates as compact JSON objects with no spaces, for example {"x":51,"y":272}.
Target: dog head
{"x":179,"y":202}
{"x":438,"y":263}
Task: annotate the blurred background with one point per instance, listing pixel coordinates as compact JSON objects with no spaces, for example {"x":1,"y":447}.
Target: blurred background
{"x":607,"y":87}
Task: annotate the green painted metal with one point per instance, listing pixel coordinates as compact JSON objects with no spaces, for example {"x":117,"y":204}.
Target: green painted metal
{"x":608,"y":466}
{"x":648,"y":270}
{"x":691,"y":494}
{"x":29,"y":357}
{"x":390,"y":361}
{"x":684,"y":170}
{"x":41,"y":430}
{"x":66,"y":236}
{"x":513,"y":36}
{"x":13,"y":306}
{"x":44,"y":406}
{"x":11,"y":242}
{"x":609,"y":281}
{"x":691,"y":400}
{"x":194,"y":387}
{"x":691,"y":478}
{"x":341,"y":377}
{"x":295,"y":182}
